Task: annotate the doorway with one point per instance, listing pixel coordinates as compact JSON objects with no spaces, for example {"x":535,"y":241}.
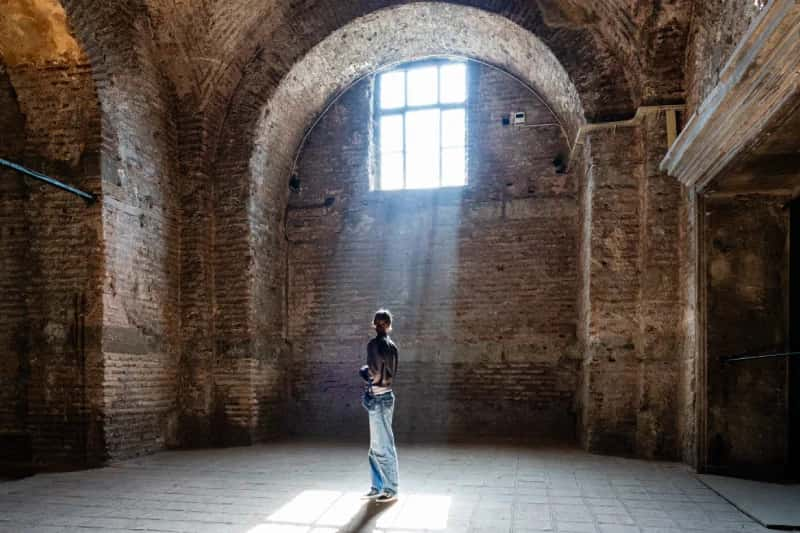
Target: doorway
{"x":746,"y":249}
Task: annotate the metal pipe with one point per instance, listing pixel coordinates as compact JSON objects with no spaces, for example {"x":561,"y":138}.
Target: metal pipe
{"x":734,"y":358}
{"x":90,"y":198}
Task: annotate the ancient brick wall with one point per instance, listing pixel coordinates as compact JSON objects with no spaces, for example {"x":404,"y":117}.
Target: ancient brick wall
{"x":661,"y":301}
{"x":612,"y":242}
{"x":631,"y":300}
{"x":482,"y":281}
{"x":746,"y":239}
{"x":141,"y":230}
{"x":241,"y":324}
{"x":92,"y":359}
{"x":166,"y":312}
{"x":196,"y":280}
{"x":236,"y":391}
{"x":56,"y":237}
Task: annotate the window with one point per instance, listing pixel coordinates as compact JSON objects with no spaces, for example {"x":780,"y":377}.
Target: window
{"x":422,"y":126}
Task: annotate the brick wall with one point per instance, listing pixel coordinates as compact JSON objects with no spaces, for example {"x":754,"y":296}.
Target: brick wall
{"x":141,"y":230}
{"x":612,"y":243}
{"x":196,"y":281}
{"x":482,"y":281}
{"x":661,"y":301}
{"x":161,"y":315}
{"x":89,"y":352}
{"x":56,"y":346}
{"x":631,"y":299}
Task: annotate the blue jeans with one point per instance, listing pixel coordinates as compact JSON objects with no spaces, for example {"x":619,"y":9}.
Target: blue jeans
{"x":382,"y":452}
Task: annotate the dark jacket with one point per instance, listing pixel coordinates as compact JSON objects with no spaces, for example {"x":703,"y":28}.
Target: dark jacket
{"x":382,"y":360}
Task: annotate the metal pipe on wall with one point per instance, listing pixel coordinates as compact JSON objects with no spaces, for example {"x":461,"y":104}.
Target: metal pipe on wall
{"x":90,"y":198}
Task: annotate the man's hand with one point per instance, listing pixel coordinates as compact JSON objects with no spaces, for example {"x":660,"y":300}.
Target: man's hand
{"x":364,"y":373}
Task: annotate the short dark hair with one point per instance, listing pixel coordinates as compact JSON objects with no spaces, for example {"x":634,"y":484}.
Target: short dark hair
{"x":382,"y":315}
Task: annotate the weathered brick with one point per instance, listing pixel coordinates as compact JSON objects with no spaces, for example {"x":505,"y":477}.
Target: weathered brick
{"x":482,"y":280}
{"x":161,"y":316}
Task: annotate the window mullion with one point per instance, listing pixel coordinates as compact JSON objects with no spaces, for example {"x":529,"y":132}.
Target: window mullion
{"x":404,"y":152}
{"x":405,"y":89}
{"x":439,"y":105}
{"x":440,"y":147}
{"x":405,"y":108}
{"x":439,"y":85}
{"x":376,"y":102}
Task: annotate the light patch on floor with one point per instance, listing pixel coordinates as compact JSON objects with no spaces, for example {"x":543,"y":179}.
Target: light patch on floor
{"x":328,"y":511}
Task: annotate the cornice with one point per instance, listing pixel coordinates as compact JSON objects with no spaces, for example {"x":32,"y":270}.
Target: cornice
{"x":759,"y":81}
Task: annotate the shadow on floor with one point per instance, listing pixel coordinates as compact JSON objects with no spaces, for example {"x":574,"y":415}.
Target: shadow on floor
{"x":367,"y":517}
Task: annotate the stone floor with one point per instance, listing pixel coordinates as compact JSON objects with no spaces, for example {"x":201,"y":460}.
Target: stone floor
{"x":314,"y":488}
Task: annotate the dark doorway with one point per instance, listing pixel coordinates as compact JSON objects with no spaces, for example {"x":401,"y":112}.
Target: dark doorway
{"x":794,"y":338}
{"x":746,"y":246}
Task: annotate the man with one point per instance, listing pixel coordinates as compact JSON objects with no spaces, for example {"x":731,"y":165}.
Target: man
{"x":378,"y":400}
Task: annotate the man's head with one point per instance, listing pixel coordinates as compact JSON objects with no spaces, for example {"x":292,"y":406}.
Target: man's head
{"x":382,"y":321}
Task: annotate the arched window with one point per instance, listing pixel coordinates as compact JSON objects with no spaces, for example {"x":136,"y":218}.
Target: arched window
{"x":421,"y":126}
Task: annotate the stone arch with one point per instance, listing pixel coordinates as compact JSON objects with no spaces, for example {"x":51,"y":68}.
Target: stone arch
{"x":253,"y":172}
{"x":371,"y":42}
{"x":395,"y":35}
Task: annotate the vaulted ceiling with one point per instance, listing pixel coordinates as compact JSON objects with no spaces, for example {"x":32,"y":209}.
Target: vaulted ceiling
{"x":619,"y":53}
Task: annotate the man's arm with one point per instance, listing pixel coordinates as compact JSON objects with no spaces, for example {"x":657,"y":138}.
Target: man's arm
{"x":374,"y":363}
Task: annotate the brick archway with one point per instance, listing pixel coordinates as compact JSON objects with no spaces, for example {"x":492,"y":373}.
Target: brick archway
{"x":252,"y":175}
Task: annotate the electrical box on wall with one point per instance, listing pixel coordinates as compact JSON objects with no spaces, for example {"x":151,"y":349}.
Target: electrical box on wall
{"x":519,"y":117}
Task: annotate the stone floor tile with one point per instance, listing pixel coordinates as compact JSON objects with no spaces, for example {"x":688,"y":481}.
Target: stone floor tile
{"x":533,"y":528}
{"x":617,"y":528}
{"x":648,"y":513}
{"x":601,"y":502}
{"x":576,"y":527}
{"x":444,"y":488}
{"x":614,"y":518}
{"x":490,"y":528}
{"x":648,"y":521}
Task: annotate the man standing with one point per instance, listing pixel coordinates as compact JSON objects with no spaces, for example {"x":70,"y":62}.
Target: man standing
{"x":378,"y":400}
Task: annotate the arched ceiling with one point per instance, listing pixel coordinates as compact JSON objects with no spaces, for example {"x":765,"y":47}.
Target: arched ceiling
{"x":596,"y":72}
{"x":619,"y":53}
{"x":396,"y":35}
{"x":649,"y":37}
{"x":225,"y":54}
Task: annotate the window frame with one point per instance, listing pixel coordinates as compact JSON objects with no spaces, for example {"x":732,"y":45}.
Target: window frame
{"x":379,"y":113}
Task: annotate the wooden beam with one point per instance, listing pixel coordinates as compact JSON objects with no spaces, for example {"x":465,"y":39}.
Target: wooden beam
{"x":672,"y":127}
{"x":758,"y":84}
